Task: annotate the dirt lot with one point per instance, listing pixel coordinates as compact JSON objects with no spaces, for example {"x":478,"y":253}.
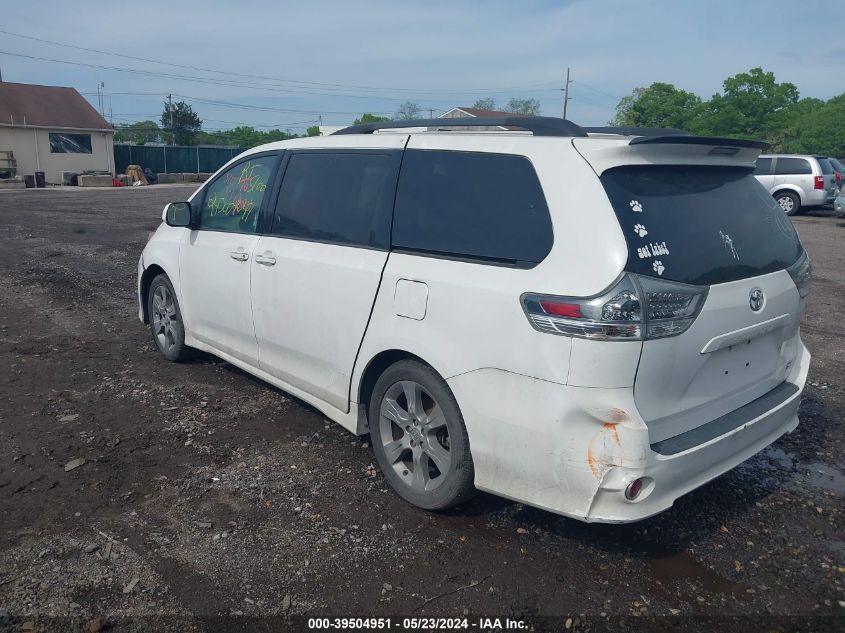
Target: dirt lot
{"x":211,"y":501}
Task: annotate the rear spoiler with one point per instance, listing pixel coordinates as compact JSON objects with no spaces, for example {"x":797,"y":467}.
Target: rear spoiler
{"x":637,"y":131}
{"x":677,"y":139}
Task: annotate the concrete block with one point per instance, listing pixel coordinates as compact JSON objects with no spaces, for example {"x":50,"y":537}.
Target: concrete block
{"x":94,"y":181}
{"x":203,"y":176}
{"x":12,"y":184}
{"x":167,"y":179}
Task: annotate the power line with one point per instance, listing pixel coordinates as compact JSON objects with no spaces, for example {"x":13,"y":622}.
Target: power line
{"x":294,"y":82}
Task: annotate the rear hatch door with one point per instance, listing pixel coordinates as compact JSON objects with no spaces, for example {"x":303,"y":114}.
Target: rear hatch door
{"x":701,"y":218}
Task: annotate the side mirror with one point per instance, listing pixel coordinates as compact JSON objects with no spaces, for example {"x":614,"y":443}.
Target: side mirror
{"x":178,"y":214}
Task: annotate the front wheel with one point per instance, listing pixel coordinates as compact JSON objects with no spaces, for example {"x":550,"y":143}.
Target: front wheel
{"x":166,"y":320}
{"x":419,"y":437}
{"x":789,"y":202}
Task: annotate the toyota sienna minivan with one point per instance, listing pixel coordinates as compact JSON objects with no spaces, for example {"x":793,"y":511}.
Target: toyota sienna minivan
{"x":594,"y":322}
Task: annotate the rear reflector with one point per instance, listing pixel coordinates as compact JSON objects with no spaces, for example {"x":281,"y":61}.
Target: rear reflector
{"x":634,"y":489}
{"x":562,"y":309}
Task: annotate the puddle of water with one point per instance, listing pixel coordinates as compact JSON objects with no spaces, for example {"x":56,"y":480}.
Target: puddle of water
{"x":818,"y":474}
{"x":682,"y":566}
{"x":824,"y":476}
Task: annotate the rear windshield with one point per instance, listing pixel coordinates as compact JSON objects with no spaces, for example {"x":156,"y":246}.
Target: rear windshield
{"x":699,"y":225}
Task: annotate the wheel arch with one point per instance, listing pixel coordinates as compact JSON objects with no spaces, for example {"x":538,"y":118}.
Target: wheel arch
{"x":150,"y":272}
{"x":374,"y":368}
{"x":791,"y":189}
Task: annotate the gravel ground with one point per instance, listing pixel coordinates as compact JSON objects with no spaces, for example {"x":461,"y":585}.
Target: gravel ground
{"x":201,"y":499}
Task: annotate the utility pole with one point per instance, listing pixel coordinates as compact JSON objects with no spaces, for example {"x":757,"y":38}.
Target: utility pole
{"x":170,"y":108}
{"x":566,"y":92}
{"x":431,"y":113}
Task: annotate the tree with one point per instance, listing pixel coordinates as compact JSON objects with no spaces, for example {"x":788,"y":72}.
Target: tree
{"x":140,"y":132}
{"x":752,"y":104}
{"x":487,"y":103}
{"x":370,"y":118}
{"x":314,"y":130}
{"x":180,"y":120}
{"x":523,"y":106}
{"x":408,"y":110}
{"x":818,"y":129}
{"x":658,"y":105}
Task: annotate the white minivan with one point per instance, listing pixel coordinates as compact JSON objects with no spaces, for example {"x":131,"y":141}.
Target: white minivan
{"x":594,"y":322}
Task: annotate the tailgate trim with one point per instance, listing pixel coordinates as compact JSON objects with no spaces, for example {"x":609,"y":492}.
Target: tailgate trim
{"x":728,"y":422}
{"x":745,"y":334}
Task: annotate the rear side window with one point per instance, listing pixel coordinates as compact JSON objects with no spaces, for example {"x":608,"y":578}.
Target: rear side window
{"x":764,"y":167}
{"x":343,"y":198}
{"x":698,"y":224}
{"x":472,"y":205}
{"x":827,"y":168}
{"x":792,"y":166}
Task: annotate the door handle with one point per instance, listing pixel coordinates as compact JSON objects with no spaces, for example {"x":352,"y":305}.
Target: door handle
{"x":241,"y":256}
{"x":266,"y":259}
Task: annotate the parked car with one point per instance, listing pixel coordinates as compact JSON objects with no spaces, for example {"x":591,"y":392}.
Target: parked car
{"x":594,"y":325}
{"x":797,"y":182}
{"x":838,"y":170}
{"x":839,"y":205}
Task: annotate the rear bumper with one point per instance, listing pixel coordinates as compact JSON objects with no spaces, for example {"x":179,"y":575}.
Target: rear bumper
{"x":574,"y":451}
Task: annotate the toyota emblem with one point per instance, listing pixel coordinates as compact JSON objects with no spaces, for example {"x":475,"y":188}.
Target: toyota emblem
{"x":756,"y":299}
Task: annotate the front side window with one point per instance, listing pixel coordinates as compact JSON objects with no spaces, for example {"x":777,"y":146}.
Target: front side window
{"x":337,"y":197}
{"x":792,"y":166}
{"x":233,"y":201}
{"x":699,"y":225}
{"x":472,"y":205}
{"x":61,"y":143}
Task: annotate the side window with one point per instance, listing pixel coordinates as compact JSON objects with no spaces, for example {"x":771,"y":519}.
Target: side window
{"x":475,"y":205}
{"x":343,"y":198}
{"x":792,"y":166}
{"x":233,"y":200}
{"x":764,"y":167}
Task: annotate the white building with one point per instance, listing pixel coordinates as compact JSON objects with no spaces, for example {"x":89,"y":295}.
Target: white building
{"x":53,"y":129}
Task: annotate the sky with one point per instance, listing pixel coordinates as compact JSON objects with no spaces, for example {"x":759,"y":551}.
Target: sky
{"x":290,"y":64}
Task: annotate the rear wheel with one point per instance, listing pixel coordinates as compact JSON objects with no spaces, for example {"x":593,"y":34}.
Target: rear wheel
{"x":789,"y":202}
{"x":419,"y":437}
{"x":166,"y":320}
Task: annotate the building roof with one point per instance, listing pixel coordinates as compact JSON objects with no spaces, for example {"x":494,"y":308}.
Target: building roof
{"x":47,"y":106}
{"x":482,"y":113}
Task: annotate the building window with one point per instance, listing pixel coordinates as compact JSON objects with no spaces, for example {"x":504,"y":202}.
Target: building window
{"x":61,"y":143}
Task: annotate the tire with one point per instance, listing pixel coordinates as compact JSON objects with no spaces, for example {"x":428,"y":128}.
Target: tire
{"x":422,"y":449}
{"x":166,"y":324}
{"x":789,"y":202}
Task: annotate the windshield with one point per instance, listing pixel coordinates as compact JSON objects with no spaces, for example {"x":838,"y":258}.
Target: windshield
{"x":699,"y":225}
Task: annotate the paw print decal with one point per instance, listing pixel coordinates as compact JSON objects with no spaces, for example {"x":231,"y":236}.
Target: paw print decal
{"x":658,"y":266}
{"x":636,"y":207}
{"x":639,"y":229}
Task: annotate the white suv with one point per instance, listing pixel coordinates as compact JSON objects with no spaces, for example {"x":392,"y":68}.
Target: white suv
{"x":594,"y":323}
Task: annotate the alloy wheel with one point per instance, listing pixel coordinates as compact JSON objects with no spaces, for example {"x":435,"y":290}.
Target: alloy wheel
{"x":415,"y":436}
{"x":164,"y":318}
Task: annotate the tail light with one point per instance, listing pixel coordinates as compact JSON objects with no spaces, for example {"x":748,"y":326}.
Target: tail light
{"x":635,"y":308}
{"x":838,"y":176}
{"x":802,"y":273}
{"x":818,"y":182}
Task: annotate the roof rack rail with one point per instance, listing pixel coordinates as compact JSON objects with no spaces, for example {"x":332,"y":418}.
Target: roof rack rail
{"x":537,"y":125}
{"x":673,"y":139}
{"x":637,"y":131}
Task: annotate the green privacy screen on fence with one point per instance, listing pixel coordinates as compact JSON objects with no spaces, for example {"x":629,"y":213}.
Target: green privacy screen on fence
{"x":173,"y":159}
